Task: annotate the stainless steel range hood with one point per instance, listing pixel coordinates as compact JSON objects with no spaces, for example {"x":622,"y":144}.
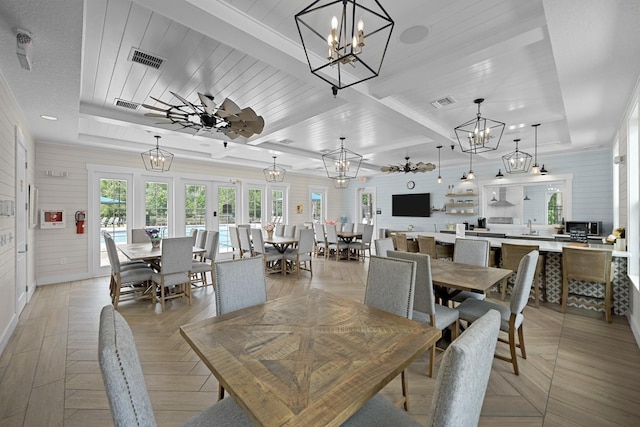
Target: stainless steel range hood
{"x":502,"y":199}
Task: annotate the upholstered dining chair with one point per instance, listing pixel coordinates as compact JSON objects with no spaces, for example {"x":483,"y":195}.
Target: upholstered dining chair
{"x":425,"y":309}
{"x":360,"y":247}
{"x":390,"y":287}
{"x":321,"y":239}
{"x":289,"y":231}
{"x":347,"y":227}
{"x":300,"y":256}
{"x":200,"y":268}
{"x":279,"y":231}
{"x":269,"y":255}
{"x":246,"y":248}
{"x":512,"y":317}
{"x":383,"y":246}
{"x":589,"y":265}
{"x":175,"y":271}
{"x":139,"y":235}
{"x":201,"y":238}
{"x":124,"y":280}
{"x":332,"y":241}
{"x":125,"y":385}
{"x":460,"y":387}
{"x":511,"y":256}
{"x":240,"y":283}
{"x":194,"y":236}
{"x":473,"y":252}
{"x":235,"y":242}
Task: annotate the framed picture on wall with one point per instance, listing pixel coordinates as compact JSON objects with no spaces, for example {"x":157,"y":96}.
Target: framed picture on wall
{"x":52,"y":218}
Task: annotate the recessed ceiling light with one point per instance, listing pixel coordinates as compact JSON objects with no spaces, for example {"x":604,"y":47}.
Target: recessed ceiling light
{"x":414,"y":34}
{"x":52,"y":118}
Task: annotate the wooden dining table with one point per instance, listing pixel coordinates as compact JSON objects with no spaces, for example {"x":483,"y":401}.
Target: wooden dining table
{"x":447,"y":275}
{"x":348,"y":236}
{"x":281,"y":243}
{"x":308,"y":359}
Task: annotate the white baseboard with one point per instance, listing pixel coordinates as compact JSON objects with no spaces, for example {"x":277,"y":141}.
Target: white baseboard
{"x":8,"y":332}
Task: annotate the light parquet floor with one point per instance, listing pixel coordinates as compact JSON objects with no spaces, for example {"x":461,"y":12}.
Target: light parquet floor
{"x":580,"y":371}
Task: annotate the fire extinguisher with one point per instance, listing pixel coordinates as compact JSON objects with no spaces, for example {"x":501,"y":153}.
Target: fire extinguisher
{"x":80,"y":218}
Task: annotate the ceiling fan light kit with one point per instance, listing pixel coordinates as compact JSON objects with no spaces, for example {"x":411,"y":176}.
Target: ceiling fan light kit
{"x":227,"y":117}
{"x":408,"y":167}
{"x":344,"y":41}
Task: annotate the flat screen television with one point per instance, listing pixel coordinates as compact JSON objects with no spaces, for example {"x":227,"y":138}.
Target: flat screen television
{"x":411,"y":204}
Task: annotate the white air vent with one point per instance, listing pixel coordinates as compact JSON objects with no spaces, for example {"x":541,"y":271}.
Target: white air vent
{"x":285,"y":141}
{"x":122,"y":103}
{"x":443,"y":102}
{"x":146,"y":58}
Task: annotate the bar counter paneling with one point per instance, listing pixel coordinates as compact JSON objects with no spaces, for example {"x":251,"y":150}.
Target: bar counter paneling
{"x":553,"y":268}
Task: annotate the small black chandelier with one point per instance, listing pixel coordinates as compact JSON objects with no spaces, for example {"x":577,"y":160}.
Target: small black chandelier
{"x":439,"y":180}
{"x":517,"y":161}
{"x":342,"y":165}
{"x":480,"y":134}
{"x":274,"y":173}
{"x":157,"y":159}
{"x":333,"y":35}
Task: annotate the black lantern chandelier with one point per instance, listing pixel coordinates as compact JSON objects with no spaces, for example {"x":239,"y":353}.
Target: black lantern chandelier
{"x":157,"y":159}
{"x":344,"y":40}
{"x":342,"y":165}
{"x":480,"y":134}
{"x":274,"y":173}
{"x":517,"y":161}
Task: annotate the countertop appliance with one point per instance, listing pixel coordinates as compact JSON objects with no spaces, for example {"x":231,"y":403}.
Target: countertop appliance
{"x":594,"y":228}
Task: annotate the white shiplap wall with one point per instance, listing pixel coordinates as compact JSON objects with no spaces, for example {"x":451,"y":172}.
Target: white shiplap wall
{"x":10,"y":116}
{"x":65,"y":255}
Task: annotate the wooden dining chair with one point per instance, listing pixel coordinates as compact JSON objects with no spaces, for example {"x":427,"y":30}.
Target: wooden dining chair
{"x":427,"y":245}
{"x":511,"y":256}
{"x":240,"y":283}
{"x":588,"y":265}
{"x":175,"y":270}
{"x":390,"y":287}
{"x":512,"y":318}
{"x":460,"y":387}
{"x":425,"y":309}
{"x":402,"y":244}
{"x":200,"y":268}
{"x":126,"y":388}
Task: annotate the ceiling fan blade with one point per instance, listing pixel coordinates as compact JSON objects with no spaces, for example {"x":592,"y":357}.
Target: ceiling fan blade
{"x":184,"y":101}
{"x":152,"y":107}
{"x":161,"y":101}
{"x":165,"y":123}
{"x":228,"y":108}
{"x":247,"y":114}
{"x":164,"y":116}
{"x":207,"y":103}
{"x":229,"y":133}
{"x":245,"y":132}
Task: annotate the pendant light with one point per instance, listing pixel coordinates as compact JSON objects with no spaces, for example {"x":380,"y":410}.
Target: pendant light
{"x":517,"y":161}
{"x":439,"y":147}
{"x":157,"y":159}
{"x":274,"y":173}
{"x":535,"y":169}
{"x":471,"y":175}
{"x":499,"y":175}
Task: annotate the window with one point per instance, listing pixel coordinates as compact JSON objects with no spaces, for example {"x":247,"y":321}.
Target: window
{"x":277,"y":206}
{"x":318,"y":205}
{"x":156,"y":206}
{"x":113,"y":213}
{"x":195,"y":207}
{"x":255,"y":206}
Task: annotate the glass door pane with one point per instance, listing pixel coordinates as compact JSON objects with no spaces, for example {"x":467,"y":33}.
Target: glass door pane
{"x":317,"y":206}
{"x":277,"y":206}
{"x":226,"y":214}
{"x":113,"y":213}
{"x":255,"y":207}
{"x":156,"y":206}
{"x":195,"y":209}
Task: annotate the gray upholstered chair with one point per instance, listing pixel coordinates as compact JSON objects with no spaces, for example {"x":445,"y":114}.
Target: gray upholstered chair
{"x":246,"y":249}
{"x":383,"y":245}
{"x":321,"y":240}
{"x":200,"y":268}
{"x":332,"y":241}
{"x":279,"y":231}
{"x":347,"y":227}
{"x":425,"y":309}
{"x":289,"y":231}
{"x":511,"y":256}
{"x":240,"y":283}
{"x":270,"y":255}
{"x":512,"y":317}
{"x":474,"y":252}
{"x":125,"y":280}
{"x":460,"y":386}
{"x":235,"y":242}
{"x":302,"y":254}
{"x":360,"y":247}
{"x":201,"y":238}
{"x":125,"y":386}
{"x":194,"y":236}
{"x":175,"y":271}
{"x":390,"y":287}
{"x":138,"y":235}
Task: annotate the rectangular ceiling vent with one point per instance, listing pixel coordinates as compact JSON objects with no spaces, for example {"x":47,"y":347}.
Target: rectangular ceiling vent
{"x":443,"y":102}
{"x":122,"y":103}
{"x":285,"y":141}
{"x":146,"y":58}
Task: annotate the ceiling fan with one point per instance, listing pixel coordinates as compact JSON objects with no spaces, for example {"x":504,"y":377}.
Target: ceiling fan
{"x":227,"y":117}
{"x":409,"y":167}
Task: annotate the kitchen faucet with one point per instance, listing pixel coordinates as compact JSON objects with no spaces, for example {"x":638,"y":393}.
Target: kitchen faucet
{"x":531,"y":232}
